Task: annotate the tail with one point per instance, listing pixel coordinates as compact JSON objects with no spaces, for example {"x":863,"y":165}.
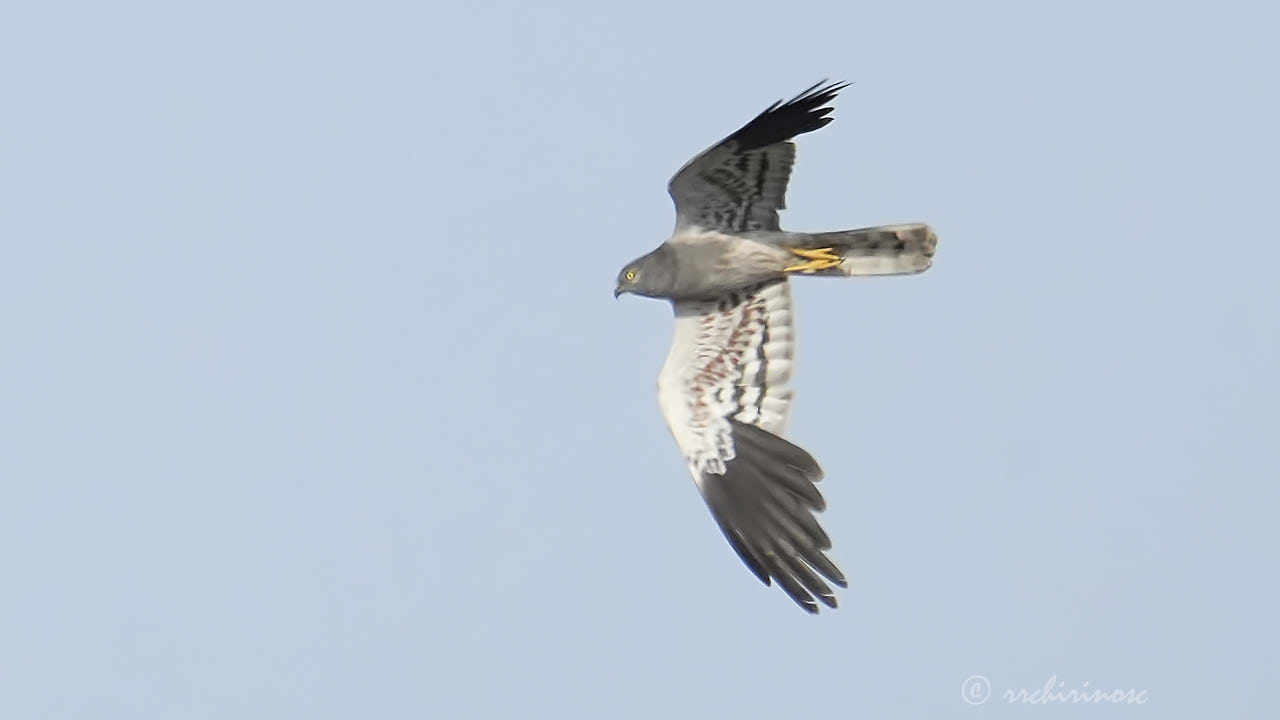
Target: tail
{"x":885,"y":250}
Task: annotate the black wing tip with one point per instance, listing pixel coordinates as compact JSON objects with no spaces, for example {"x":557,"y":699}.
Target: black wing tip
{"x":821,"y":92}
{"x":807,"y":603}
{"x":764,"y":504}
{"x":784,"y":120}
{"x":743,"y":549}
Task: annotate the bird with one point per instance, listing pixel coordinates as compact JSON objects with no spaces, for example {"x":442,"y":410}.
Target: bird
{"x":725,"y":388}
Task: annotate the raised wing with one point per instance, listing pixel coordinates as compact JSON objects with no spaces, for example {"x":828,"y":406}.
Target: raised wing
{"x":740,"y":184}
{"x":725,"y":392}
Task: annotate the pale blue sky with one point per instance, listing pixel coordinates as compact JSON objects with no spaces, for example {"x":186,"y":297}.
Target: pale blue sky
{"x":315,"y":401}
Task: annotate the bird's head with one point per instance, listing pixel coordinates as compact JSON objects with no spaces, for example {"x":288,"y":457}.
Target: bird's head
{"x":651,"y":275}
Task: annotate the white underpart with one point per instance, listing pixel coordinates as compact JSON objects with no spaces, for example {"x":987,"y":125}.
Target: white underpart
{"x":883,"y":265}
{"x":728,"y":359}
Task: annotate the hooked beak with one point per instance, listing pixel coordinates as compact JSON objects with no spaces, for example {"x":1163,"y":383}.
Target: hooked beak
{"x":617,"y":292}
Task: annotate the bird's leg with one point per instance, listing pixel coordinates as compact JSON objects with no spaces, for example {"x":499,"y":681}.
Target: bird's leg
{"x":819,"y":259}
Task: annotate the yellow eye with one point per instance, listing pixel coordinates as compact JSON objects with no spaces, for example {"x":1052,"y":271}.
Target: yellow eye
{"x":631,"y":275}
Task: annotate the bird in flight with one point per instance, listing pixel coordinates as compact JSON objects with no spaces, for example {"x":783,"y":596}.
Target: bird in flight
{"x":725,"y":388}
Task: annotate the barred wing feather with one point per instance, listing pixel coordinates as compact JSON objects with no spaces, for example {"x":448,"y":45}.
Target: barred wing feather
{"x":740,"y":183}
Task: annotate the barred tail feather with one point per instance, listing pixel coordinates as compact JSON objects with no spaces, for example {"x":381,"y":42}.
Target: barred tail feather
{"x":885,"y":250}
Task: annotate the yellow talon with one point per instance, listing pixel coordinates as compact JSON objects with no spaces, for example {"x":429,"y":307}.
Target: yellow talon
{"x":815,"y":254}
{"x":810,"y":266}
{"x":819,"y":259}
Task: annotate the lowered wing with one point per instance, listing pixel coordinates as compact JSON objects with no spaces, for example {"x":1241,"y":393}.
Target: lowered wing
{"x":725,"y":394}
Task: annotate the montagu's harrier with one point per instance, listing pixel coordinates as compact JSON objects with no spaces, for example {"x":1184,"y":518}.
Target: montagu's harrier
{"x":725,"y":388}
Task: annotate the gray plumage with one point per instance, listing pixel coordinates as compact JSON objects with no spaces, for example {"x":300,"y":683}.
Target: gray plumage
{"x":725,"y":388}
